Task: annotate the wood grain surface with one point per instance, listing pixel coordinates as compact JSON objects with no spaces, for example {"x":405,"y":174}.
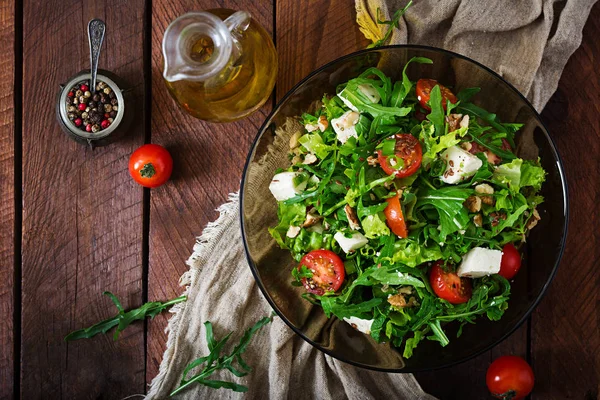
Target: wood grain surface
{"x":209,"y":159}
{"x":82,"y":213}
{"x":7,"y":198}
{"x":565,"y":335}
{"x":85,"y":223}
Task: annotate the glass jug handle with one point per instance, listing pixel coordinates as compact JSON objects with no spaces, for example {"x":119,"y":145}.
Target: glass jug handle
{"x":238,"y":22}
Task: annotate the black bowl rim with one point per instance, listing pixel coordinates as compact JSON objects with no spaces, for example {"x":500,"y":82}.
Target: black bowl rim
{"x":544,"y":288}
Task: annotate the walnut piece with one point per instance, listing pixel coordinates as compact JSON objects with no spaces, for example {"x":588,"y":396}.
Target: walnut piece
{"x":352,"y":218}
{"x":473,"y":203}
{"x":478,"y":220}
{"x":484,"y":188}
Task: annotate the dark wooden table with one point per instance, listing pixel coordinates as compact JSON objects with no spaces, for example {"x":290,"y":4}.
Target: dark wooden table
{"x":73,"y":224}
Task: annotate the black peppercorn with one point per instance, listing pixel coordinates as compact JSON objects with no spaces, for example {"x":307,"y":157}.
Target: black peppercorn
{"x":69,"y":100}
{"x":92,"y":104}
{"x":103,"y":98}
{"x":113,"y":114}
{"x":112,"y":95}
{"x":96,"y":97}
{"x":114,"y":102}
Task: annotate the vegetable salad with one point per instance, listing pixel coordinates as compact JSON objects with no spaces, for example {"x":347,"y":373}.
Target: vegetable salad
{"x":402,"y":205}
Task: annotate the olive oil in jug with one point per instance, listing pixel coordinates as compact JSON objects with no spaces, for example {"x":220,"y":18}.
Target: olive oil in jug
{"x":220,"y":65}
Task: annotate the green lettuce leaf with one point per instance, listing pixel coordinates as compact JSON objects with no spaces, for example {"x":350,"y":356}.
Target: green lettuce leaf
{"x":314,"y":144}
{"x":374,"y":226}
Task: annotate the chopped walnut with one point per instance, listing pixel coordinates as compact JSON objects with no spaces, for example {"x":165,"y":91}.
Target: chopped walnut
{"x":535,"y":217}
{"x":405,"y":290}
{"x":489,"y":200}
{"x":397,"y":301}
{"x":478,"y":220}
{"x":311,"y":127}
{"x":496,"y":217}
{"x":473,"y":203}
{"x":323,"y":123}
{"x":311,"y":219}
{"x":453,"y":121}
{"x":466,"y":146}
{"x":372,"y":161}
{"x":352,"y":218}
{"x":293,"y":231}
{"x":484,"y":188}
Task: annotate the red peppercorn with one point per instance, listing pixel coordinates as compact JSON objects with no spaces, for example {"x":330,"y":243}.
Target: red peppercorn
{"x":84,"y":88}
{"x":78,"y":121}
{"x":70,"y":94}
{"x":82,"y":106}
{"x":105,"y":124}
{"x":106,"y":115}
{"x":88,"y":127}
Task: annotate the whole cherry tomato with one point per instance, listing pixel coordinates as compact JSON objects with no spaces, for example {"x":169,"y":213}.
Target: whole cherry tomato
{"x":151,"y":165}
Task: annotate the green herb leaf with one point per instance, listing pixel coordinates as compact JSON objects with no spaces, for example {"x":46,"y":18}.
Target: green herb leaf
{"x":215,"y":361}
{"x":123,"y":319}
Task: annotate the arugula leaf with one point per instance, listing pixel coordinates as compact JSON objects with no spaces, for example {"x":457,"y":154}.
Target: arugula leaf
{"x":331,"y":305}
{"x":215,"y":361}
{"x":411,"y":253}
{"x":393,"y":23}
{"x":466,"y":94}
{"x":123,"y":319}
{"x":448,"y":201}
{"x":412,"y":343}
{"x":401,"y":89}
{"x":436,"y":116}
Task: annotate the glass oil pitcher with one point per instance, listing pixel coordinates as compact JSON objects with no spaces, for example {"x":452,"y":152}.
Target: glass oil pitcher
{"x":220,"y":65}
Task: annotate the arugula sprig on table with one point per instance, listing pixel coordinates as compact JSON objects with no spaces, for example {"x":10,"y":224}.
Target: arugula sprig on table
{"x":214,"y":361}
{"x":393,"y":23}
{"x":123,"y":319}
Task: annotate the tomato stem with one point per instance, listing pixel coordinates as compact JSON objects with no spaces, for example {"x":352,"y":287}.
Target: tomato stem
{"x":147,"y":171}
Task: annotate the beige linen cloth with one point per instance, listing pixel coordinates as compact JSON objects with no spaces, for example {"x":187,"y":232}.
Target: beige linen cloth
{"x":527,"y":41}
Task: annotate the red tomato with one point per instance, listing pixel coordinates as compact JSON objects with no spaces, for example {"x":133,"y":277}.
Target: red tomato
{"x":424,"y":87}
{"x":408,"y":149}
{"x":511,"y":261}
{"x":509,"y":377}
{"x":151,"y":165}
{"x":328,"y":271}
{"x":448,"y":285}
{"x":394,"y":218}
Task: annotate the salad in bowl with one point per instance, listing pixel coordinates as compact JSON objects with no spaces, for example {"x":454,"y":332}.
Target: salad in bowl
{"x":404,"y":205}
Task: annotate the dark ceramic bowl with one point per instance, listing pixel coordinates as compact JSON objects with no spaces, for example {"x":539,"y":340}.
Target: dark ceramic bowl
{"x":271,"y":266}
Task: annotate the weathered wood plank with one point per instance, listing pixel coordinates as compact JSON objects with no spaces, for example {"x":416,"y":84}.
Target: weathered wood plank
{"x":82,"y":213}
{"x":208,"y":159}
{"x":566,"y":326}
{"x":7,"y":198}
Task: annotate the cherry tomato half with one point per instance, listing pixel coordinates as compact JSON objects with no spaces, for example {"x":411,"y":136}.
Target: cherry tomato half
{"x":394,"y":218}
{"x":408,"y":149}
{"x":151,"y":165}
{"x":509,"y":377}
{"x":511,"y":261}
{"x":328,"y":271}
{"x":424,"y":87}
{"x":449,"y":286}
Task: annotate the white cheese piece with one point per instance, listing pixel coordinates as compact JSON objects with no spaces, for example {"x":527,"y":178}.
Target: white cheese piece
{"x":460,"y":165}
{"x":480,"y":262}
{"x":371,"y":93}
{"x":314,"y":180}
{"x":341,"y":95}
{"x":363,"y":325}
{"x":293,"y":231}
{"x":282,"y":186}
{"x":355,"y":242}
{"x":345,"y":126}
{"x":464,"y":122}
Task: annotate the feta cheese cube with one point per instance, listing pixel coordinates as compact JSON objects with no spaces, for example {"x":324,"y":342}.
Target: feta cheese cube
{"x":348,"y":244}
{"x":283,"y":187}
{"x":345,"y":126}
{"x":362,"y":325}
{"x":480,"y":262}
{"x":460,"y":165}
